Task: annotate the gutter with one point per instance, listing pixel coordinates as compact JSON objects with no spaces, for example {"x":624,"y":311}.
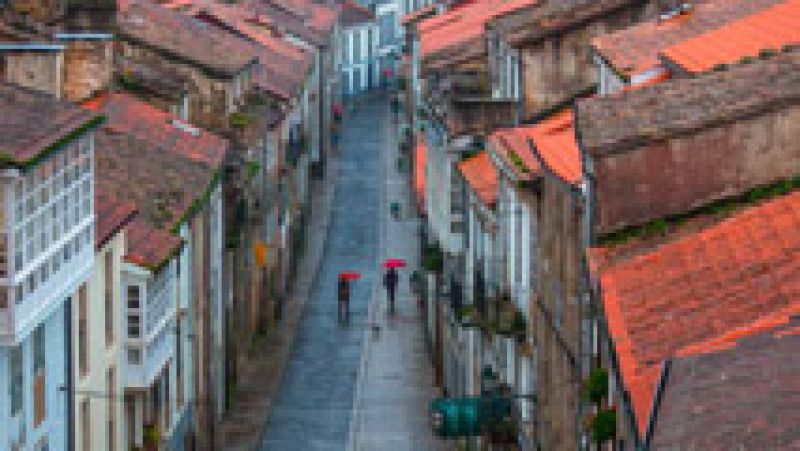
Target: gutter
{"x":662,"y":385}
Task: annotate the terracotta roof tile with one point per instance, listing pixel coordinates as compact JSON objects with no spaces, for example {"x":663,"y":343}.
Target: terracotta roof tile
{"x":744,"y":397}
{"x":32,"y":121}
{"x":547,"y":17}
{"x":162,"y":183}
{"x":512,"y":146}
{"x":137,"y":139}
{"x":701,"y":292}
{"x":418,"y":15}
{"x":464,"y":24}
{"x":770,"y":29}
{"x":148,"y":246}
{"x":481,"y":176}
{"x":129,"y":115}
{"x":635,"y":50}
{"x":352,"y":13}
{"x":110,"y":218}
{"x":310,"y":21}
{"x":184,"y":37}
{"x":617,"y":123}
{"x":557,"y":148}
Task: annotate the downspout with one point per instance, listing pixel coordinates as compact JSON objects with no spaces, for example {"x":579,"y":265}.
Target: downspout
{"x":321,"y":109}
{"x":70,"y":389}
{"x":585,"y":193}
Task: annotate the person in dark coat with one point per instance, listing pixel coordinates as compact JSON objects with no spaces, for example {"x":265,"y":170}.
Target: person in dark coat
{"x":390,"y":282}
{"x":343,"y":293}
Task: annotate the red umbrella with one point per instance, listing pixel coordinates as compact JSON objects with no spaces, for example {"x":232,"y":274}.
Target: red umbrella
{"x":348,"y":275}
{"x":394,"y":263}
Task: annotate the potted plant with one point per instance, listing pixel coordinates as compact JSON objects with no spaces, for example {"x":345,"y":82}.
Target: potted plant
{"x":604,"y":426}
{"x":433,"y":259}
{"x":151,"y":436}
{"x":595,"y":387}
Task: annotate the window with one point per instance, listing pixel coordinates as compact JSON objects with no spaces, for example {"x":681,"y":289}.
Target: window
{"x":56,"y":263}
{"x":109,"y":296}
{"x":86,"y":428}
{"x":39,"y":382}
{"x":133,"y":297}
{"x":134,"y":325}
{"x":134,"y":356}
{"x":76,"y":209}
{"x":15,"y":380}
{"x":357,"y":47}
{"x":65,"y":213}
{"x":31,"y":283}
{"x":43,"y":229}
{"x":111,"y":382}
{"x":83,"y":332}
{"x":3,"y":254}
{"x":44,"y":273}
{"x":54,"y":222}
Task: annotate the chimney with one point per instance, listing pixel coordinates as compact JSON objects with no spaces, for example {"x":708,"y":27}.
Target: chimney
{"x":88,"y":64}
{"x":34,"y":65}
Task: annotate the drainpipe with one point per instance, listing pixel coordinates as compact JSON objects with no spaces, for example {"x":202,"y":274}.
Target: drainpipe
{"x":69,"y":383}
{"x":321,"y":110}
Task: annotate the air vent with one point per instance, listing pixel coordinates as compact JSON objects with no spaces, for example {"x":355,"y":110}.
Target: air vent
{"x":183,"y":126}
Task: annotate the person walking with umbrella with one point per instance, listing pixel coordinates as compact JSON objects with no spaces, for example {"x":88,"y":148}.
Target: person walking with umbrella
{"x":390,"y":282}
{"x":391,"y":279}
{"x":343,"y":294}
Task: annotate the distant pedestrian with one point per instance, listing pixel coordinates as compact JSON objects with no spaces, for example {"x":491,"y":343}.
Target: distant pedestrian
{"x":390,"y":282}
{"x":343,"y":293}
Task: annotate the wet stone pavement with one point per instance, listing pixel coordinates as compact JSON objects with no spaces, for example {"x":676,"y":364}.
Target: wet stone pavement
{"x":313,"y":408}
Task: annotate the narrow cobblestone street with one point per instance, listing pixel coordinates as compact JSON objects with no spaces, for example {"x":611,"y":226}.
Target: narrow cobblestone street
{"x":314,"y":407}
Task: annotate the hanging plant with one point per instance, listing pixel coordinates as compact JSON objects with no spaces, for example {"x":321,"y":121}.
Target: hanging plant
{"x":604,"y":425}
{"x":595,"y":387}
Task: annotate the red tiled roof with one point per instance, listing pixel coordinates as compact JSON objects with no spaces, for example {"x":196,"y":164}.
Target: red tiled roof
{"x":557,"y":148}
{"x":149,"y":247}
{"x":311,"y":22}
{"x":701,"y":292}
{"x":127,"y":114}
{"x":418,"y":15}
{"x":352,"y":13}
{"x":32,"y":121}
{"x":746,"y":397}
{"x":513,"y":147}
{"x":283,"y":66}
{"x":110,"y":218}
{"x":481,"y":176}
{"x":184,"y":37}
{"x":682,"y":106}
{"x":635,"y":50}
{"x":162,"y":167}
{"x":464,"y":24}
{"x":770,"y":29}
{"x":420,"y":158}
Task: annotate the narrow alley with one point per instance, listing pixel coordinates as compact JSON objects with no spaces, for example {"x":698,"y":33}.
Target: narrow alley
{"x":314,"y":409}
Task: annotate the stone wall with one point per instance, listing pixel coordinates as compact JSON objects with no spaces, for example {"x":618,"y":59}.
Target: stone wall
{"x":88,"y":66}
{"x":560,"y":67}
{"x":557,"y":317}
{"x":675,"y":176}
{"x":38,"y":70}
{"x":210,"y":99}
